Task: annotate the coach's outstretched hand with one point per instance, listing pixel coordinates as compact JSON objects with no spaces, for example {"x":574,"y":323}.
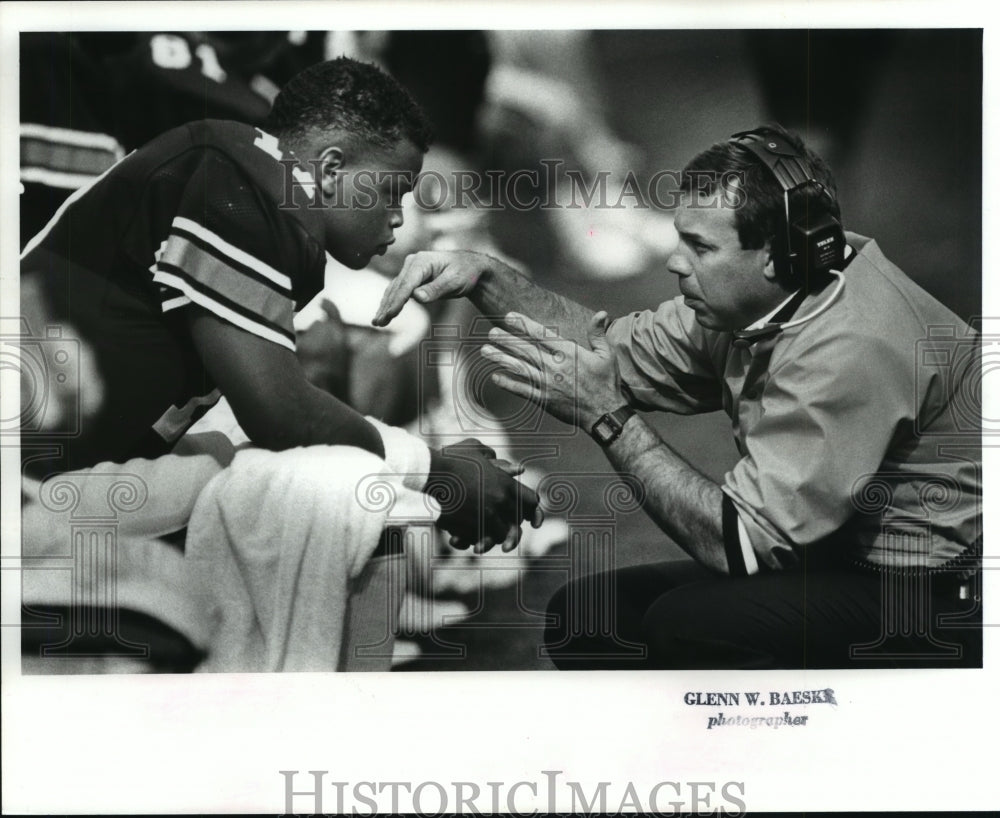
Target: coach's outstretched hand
{"x":481,"y":503}
{"x":430,"y":276}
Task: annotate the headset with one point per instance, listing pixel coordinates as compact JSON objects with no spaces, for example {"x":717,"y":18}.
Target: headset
{"x":814,"y":237}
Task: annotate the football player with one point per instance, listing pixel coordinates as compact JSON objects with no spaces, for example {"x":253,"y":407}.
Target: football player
{"x":180,"y":268}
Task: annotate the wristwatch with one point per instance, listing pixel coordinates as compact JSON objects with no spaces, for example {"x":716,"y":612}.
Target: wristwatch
{"x":608,"y":428}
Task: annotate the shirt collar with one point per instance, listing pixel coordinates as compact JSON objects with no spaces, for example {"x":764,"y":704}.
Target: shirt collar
{"x":772,"y":324}
{"x":760,"y":322}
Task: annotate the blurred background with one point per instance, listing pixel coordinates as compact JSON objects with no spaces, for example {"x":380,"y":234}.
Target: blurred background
{"x":897,"y":114}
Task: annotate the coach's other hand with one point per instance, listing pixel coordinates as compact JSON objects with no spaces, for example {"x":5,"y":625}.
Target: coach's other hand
{"x":429,"y":276}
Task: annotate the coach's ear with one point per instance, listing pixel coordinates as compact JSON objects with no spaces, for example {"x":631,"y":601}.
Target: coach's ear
{"x":770,"y":270}
{"x":331,"y":160}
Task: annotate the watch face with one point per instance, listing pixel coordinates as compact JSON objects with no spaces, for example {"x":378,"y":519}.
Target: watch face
{"x":604,"y":431}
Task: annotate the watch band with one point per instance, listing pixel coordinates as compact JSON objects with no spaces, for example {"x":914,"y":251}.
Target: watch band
{"x":608,"y":428}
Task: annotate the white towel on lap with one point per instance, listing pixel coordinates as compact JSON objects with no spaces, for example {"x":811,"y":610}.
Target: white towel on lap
{"x":278,"y":537}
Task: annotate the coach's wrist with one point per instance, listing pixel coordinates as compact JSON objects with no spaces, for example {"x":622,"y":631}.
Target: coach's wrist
{"x":610,"y":426}
{"x":493,"y":276}
{"x":588,"y":415}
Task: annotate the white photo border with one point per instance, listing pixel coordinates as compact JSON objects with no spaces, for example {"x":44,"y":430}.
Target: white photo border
{"x":917,"y":740}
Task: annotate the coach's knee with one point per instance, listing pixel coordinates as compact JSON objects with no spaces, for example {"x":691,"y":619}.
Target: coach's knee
{"x":555,"y":627}
{"x":680,"y":635}
{"x":557,"y":635}
{"x":570,"y":608}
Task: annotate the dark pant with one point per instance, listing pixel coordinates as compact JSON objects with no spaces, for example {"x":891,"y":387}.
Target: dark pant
{"x":680,"y":615}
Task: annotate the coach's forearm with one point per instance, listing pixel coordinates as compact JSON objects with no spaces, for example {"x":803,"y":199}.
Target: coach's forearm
{"x":682,"y":502}
{"x":501,"y":289}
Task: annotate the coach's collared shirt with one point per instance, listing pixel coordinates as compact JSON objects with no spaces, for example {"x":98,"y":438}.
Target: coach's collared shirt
{"x":858,"y":427}
{"x":747,"y":554}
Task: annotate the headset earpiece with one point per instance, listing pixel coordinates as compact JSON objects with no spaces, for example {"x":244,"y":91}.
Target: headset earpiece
{"x":814,"y":237}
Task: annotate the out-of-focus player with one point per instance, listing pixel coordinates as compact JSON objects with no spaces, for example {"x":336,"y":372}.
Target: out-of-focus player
{"x":181,"y":268}
{"x":88,"y":98}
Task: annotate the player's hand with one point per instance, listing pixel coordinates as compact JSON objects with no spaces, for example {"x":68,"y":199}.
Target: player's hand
{"x":430,"y":276}
{"x":482,"y":504}
{"x":514,"y":531}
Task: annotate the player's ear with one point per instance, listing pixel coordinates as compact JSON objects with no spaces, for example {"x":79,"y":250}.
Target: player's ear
{"x":331,"y":160}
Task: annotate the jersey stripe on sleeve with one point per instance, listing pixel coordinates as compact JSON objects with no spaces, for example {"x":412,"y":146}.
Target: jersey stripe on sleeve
{"x":222,"y":307}
{"x":65,"y":158}
{"x":196,"y":265}
{"x":194,"y":231}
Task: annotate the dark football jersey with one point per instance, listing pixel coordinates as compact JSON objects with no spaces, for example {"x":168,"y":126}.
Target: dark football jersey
{"x":89,"y":98}
{"x":169,"y":78}
{"x":66,"y":141}
{"x":195,"y":217}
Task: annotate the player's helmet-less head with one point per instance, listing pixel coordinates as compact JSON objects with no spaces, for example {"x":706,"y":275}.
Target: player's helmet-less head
{"x":786,"y":196}
{"x":350,"y":96}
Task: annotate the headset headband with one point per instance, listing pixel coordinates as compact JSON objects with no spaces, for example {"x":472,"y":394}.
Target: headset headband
{"x":778,"y":154}
{"x":814,"y":237}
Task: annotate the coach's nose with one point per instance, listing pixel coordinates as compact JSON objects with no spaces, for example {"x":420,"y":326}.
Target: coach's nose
{"x":678,"y":263}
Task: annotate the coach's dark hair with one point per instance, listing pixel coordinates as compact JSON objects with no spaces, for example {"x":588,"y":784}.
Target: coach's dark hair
{"x":353,"y":96}
{"x":760,"y":213}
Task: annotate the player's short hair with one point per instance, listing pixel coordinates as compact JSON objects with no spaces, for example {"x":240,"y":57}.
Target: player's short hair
{"x":761,"y":212}
{"x":355,"y":97}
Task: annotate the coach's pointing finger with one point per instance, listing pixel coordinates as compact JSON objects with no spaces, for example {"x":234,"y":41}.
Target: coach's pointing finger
{"x":429,"y":276}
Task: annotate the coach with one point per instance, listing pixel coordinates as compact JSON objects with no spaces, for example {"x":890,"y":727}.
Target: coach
{"x":852,"y":519}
